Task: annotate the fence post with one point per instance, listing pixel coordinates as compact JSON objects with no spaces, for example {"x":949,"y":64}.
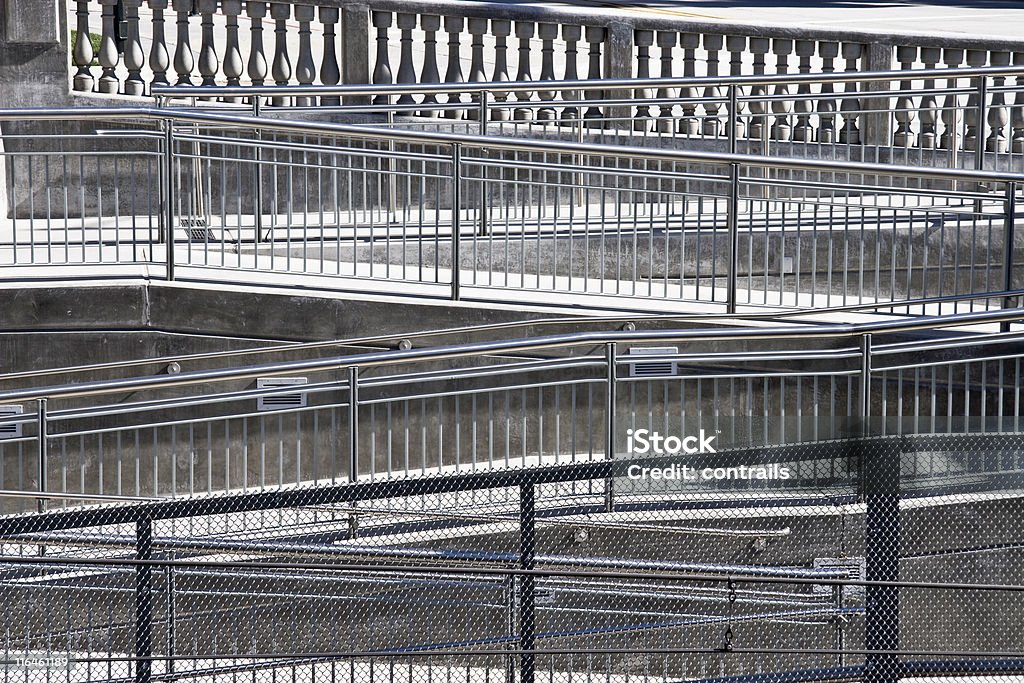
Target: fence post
{"x":143,"y":601}
{"x":1009,"y":238}
{"x":611,"y":396}
{"x":167,"y":198}
{"x":355,"y":49}
{"x":732,"y":225}
{"x":882,"y":558}
{"x":456,"y":219}
{"x":353,"y":424}
{"x":527,"y":597}
{"x":171,"y":608}
{"x":41,"y":436}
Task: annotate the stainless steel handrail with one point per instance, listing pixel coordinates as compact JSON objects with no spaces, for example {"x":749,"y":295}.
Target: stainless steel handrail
{"x":400,"y":357}
{"x":288,"y":347}
{"x":160,"y":91}
{"x":504,"y":143}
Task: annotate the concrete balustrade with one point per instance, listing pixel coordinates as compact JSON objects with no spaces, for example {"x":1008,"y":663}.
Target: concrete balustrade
{"x":242,"y":42}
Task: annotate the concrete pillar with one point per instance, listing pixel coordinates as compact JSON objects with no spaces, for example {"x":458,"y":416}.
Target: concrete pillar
{"x":355,"y":48}
{"x":876,"y":127}
{"x":619,"y":59}
{"x":34,"y":53}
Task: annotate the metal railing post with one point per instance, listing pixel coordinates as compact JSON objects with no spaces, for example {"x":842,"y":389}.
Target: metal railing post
{"x":353,"y":423}
{"x":41,"y":435}
{"x":979,"y":141}
{"x":1009,"y":238}
{"x":171,"y":609}
{"x":144,"y":601}
{"x":864,"y":404}
{"x":732,"y":225}
{"x":485,"y":204}
{"x":733,"y":117}
{"x":167,"y":198}
{"x":257,"y":193}
{"x":456,"y":220}
{"x":527,"y":596}
{"x":610,"y":352}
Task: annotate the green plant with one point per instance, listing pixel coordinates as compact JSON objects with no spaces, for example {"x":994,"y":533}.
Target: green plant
{"x":95,"y":39}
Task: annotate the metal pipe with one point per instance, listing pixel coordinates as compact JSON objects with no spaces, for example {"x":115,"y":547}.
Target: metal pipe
{"x":611,"y":400}
{"x":456,"y":218}
{"x":1009,"y":243}
{"x":732,"y":225}
{"x":588,"y":84}
{"x":400,"y":357}
{"x":287,"y":346}
{"x":507,"y":143}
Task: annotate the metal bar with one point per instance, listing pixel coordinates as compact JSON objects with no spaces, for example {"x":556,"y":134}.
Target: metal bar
{"x":1009,"y":240}
{"x":527,"y":593}
{"x":41,"y":453}
{"x":732,"y":225}
{"x":353,"y":423}
{"x":167,"y":198}
{"x":143,"y":600}
{"x":507,"y":143}
{"x":882,"y":555}
{"x":588,"y":84}
{"x":611,"y":399}
{"x":456,"y":218}
{"x":400,"y":357}
{"x":171,"y":616}
{"x":257,"y":192}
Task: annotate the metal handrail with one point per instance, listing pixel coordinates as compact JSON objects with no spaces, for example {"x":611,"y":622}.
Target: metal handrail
{"x":163,"y":91}
{"x":464,"y":141}
{"x":288,"y":347}
{"x":401,"y":357}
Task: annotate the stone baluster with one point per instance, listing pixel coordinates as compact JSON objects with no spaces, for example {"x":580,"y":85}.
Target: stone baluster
{"x":712,"y":94}
{"x":758,"y":107}
{"x":232,"y":66}
{"x":159,"y":58}
{"x":406,"y":68}
{"x":571,"y":35}
{"x":547,"y":34}
{"x":998,"y":115}
{"x":281,"y":66}
{"x":382,"y":65}
{"x":952,"y":58}
{"x":688,"y":124}
{"x":109,"y":57}
{"x":330,"y":72}
{"x":524,"y":32}
{"x":928,"y":137}
{"x":256,"y":67}
{"x":782,"y":108}
{"x":134,"y":58}
{"x":906,"y":55}
{"x":477,"y":28}
{"x":975,"y":58}
{"x":430,"y":23}
{"x":737,"y":46}
{"x":183,"y":60}
{"x":81,"y":52}
{"x":1017,"y":115}
{"x":501,"y":29}
{"x":826,"y":107}
{"x":453,"y":26}
{"x":850,"y":109}
{"x":305,"y":67}
{"x":666,"y":123}
{"x":643,"y":39}
{"x":803,"y":131}
{"x":595,"y":36}
{"x":208,"y":61}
